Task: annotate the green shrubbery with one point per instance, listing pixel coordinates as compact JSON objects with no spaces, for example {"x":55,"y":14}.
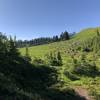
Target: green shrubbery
{"x":54,"y":59}
{"x":81,"y":67}
{"x":21,"y":80}
{"x":71,"y":76}
{"x":38,"y":61}
{"x":92,"y":44}
{"x":84,"y":67}
{"x":86,"y":70}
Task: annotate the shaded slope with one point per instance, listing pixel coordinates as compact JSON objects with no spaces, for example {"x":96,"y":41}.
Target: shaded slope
{"x":21,"y":80}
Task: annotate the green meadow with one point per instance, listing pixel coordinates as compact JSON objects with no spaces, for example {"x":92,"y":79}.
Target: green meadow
{"x":91,"y":84}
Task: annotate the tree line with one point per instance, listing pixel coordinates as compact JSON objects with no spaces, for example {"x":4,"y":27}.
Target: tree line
{"x":43,"y":40}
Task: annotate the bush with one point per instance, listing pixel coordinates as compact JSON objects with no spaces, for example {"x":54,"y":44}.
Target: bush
{"x":71,"y":76}
{"x":27,"y":59}
{"x":38,"y":61}
{"x":86,"y":69}
{"x":82,"y":67}
{"x":54,"y":59}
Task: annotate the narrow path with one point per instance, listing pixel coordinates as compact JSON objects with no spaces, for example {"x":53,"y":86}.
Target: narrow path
{"x":83,"y":92}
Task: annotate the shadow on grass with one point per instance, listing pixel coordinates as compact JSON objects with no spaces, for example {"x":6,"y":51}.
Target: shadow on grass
{"x":20,"y":80}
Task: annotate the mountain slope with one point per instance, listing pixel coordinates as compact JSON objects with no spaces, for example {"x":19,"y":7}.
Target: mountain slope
{"x":86,"y":63}
{"x":42,"y":50}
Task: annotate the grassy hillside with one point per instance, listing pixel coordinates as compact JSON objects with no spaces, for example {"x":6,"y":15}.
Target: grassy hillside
{"x":65,"y":47}
{"x":86,"y":33}
{"x":22,"y":80}
{"x":42,"y":50}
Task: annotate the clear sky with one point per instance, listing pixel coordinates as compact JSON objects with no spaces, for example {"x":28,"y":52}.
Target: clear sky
{"x":29,"y":19}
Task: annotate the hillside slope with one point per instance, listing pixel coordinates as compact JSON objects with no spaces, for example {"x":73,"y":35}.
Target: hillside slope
{"x":79,"y":64}
{"x":21,"y":80}
{"x":42,"y":50}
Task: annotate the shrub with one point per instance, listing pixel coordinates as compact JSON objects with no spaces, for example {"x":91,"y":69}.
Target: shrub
{"x":38,"y":61}
{"x":54,"y":59}
{"x":27,"y":59}
{"x":86,"y":69}
{"x":71,"y":76}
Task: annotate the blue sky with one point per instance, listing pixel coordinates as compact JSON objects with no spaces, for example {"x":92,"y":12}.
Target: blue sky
{"x":29,"y":19}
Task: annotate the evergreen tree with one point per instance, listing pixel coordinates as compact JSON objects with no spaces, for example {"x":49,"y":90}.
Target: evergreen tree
{"x":61,"y":36}
{"x":12,"y":47}
{"x":2,"y":47}
{"x":65,"y":36}
{"x":98,"y":33}
{"x":55,"y":38}
{"x":54,"y":59}
{"x":59,"y":58}
{"x":27,"y":52}
{"x":27,"y":56}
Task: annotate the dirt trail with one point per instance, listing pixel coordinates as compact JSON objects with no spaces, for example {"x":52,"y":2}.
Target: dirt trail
{"x":83,"y":92}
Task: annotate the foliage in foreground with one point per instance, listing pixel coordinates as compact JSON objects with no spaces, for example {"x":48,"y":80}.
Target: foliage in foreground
{"x":21,"y":80}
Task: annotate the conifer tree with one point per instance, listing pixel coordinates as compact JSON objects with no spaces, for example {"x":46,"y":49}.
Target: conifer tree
{"x":27,"y":56}
{"x":27,"y":52}
{"x":66,"y":35}
{"x":98,"y":33}
{"x":61,"y":36}
{"x":12,"y":47}
{"x":59,"y":59}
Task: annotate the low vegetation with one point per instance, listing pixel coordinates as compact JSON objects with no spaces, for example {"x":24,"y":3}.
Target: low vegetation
{"x":80,"y":59}
{"x":22,"y":80}
{"x":51,"y":71}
